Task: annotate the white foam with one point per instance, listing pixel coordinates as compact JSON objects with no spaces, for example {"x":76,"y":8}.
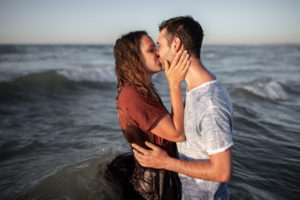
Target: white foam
{"x":269,"y":89}
{"x":100,"y":74}
{"x":210,"y":55}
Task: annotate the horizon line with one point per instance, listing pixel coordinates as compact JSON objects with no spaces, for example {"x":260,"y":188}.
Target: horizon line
{"x":110,"y":44}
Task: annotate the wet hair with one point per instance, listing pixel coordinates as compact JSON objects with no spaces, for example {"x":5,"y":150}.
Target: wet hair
{"x":187,"y":30}
{"x":128,"y":62}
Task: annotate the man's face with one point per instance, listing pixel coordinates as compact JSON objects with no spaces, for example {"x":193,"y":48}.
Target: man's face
{"x":164,"y":50}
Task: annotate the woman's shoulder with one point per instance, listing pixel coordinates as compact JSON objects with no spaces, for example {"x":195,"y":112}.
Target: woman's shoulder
{"x":128,"y":91}
{"x":129,"y":94}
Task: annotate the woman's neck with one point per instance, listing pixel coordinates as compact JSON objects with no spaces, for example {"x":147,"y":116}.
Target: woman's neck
{"x":149,"y":78}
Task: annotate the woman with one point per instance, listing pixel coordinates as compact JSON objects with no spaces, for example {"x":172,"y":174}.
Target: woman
{"x":142,"y":115}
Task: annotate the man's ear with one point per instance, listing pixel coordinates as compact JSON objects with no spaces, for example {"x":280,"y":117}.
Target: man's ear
{"x":177,"y":44}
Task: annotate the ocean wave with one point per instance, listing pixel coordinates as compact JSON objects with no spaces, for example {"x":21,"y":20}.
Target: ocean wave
{"x":210,"y":54}
{"x":266,"y":88}
{"x":102,"y":75}
{"x":55,"y":82}
{"x":105,"y":74}
{"x":89,"y":178}
{"x":11,"y":49}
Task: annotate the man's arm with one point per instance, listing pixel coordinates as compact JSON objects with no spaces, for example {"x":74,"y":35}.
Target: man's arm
{"x":218,"y":168}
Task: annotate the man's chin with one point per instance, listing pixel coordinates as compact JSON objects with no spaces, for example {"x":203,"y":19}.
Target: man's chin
{"x":165,"y":62}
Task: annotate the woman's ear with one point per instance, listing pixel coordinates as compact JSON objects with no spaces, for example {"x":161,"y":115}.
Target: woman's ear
{"x":177,"y":44}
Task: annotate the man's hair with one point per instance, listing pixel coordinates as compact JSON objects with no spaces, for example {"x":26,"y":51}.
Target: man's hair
{"x":187,"y":30}
{"x":128,"y":62}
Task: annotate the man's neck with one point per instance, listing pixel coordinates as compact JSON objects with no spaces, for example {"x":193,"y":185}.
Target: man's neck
{"x":197,"y":74}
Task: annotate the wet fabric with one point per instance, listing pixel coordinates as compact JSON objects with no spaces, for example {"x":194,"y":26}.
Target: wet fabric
{"x":208,"y":123}
{"x":138,"y":114}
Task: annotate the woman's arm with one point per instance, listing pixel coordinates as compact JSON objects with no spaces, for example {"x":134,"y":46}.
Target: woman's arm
{"x":169,"y":128}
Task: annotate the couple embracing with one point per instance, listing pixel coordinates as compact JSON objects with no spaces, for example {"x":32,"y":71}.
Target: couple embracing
{"x":185,"y":154}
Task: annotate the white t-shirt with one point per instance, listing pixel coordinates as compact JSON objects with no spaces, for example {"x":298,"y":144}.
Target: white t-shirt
{"x":208,"y":129}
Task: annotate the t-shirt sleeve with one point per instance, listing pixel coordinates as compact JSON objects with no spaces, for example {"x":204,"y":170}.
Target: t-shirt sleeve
{"x":144,"y":111}
{"x":216,"y":125}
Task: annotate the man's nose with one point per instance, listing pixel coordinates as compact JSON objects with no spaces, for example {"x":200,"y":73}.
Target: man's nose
{"x":157,"y":53}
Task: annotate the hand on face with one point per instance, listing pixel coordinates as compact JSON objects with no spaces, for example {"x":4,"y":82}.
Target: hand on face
{"x":177,"y":70}
{"x":155,"y":158}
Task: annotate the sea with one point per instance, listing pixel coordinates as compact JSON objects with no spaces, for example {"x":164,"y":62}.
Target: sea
{"x":59,"y":126}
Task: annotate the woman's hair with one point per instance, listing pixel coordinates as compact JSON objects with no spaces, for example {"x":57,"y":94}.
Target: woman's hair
{"x":128,"y":60}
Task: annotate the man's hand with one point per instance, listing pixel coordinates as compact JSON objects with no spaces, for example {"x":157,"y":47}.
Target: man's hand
{"x":155,"y":158}
{"x":176,"y":72}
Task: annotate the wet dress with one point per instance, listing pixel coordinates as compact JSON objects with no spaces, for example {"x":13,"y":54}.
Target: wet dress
{"x":138,"y":114}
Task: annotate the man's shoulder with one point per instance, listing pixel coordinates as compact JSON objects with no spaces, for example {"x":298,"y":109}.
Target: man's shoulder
{"x":207,"y":93}
{"x":218,"y":96}
{"x":211,"y":97}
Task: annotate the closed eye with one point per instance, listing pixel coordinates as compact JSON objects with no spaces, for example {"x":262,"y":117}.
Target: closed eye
{"x":152,"y":48}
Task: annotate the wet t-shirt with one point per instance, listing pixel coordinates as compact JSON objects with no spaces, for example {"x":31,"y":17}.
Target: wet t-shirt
{"x":208,"y":123}
{"x":138,"y":114}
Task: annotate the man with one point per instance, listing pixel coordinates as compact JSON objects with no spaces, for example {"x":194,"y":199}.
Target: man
{"x":204,"y":163}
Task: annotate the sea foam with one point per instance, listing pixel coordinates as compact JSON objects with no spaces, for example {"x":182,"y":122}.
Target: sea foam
{"x":267,"y":88}
{"x":103,"y":74}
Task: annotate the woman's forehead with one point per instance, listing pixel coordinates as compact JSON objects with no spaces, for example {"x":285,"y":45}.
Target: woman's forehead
{"x":146,"y":41}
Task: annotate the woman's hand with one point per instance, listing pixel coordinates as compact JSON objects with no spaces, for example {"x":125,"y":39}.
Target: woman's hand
{"x":176,"y":72}
{"x":172,"y":127}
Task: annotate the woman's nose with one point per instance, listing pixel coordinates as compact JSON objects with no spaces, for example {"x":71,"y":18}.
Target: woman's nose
{"x":157,"y":53}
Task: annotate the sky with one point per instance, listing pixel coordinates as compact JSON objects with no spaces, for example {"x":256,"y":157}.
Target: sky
{"x":103,"y":21}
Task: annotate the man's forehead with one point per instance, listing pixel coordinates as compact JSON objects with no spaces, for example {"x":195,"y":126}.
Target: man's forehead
{"x":162,"y":36}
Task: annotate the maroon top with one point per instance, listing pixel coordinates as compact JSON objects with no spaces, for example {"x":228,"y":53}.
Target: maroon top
{"x":138,"y":114}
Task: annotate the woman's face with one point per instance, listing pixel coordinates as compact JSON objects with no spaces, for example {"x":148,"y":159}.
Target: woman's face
{"x":150,"y":56}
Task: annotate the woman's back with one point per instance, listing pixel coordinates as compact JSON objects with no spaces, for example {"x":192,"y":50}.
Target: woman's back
{"x":138,"y":113}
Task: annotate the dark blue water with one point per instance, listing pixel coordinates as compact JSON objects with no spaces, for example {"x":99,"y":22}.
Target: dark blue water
{"x":59,"y":126}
